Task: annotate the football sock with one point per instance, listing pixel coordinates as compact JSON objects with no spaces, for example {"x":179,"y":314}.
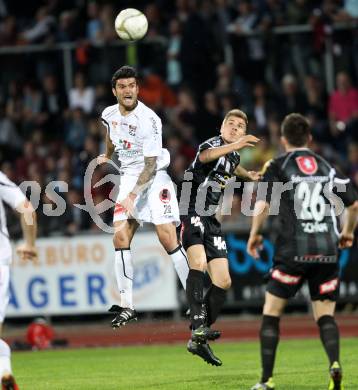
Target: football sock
{"x":269,"y":338}
{"x":5,"y":363}
{"x":214,"y":300}
{"x":124,"y":274}
{"x":329,"y":333}
{"x":181,"y":265}
{"x":194,"y":293}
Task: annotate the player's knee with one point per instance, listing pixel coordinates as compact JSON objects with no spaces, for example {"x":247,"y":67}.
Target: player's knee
{"x":197,"y":264}
{"x":120,"y":241}
{"x":168,"y":240}
{"x":225,"y":283}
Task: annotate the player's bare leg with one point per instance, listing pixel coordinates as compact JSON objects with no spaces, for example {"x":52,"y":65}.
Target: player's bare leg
{"x":124,"y":232}
{"x":269,"y":338}
{"x":7,"y":379}
{"x":323,"y":313}
{"x":167,"y":236}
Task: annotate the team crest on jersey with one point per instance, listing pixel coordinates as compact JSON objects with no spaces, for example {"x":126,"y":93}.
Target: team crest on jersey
{"x":164,"y":195}
{"x":114,"y":124}
{"x":307,"y":164}
{"x":132,"y":130}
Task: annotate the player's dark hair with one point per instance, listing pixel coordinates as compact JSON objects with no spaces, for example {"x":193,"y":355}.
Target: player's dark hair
{"x":238,"y":113}
{"x":125,"y":72}
{"x":296,"y":129}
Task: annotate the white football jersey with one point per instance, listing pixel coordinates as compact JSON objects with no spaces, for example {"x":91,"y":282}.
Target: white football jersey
{"x":11,"y":194}
{"x":135,"y":136}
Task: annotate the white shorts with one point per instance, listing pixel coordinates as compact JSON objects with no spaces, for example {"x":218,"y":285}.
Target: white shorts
{"x":4,"y":290}
{"x":157,"y":204}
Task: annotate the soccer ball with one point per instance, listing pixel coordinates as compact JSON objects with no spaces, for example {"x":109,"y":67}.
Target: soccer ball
{"x":131,"y":24}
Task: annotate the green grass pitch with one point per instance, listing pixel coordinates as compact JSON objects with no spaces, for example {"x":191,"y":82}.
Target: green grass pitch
{"x":301,"y":365}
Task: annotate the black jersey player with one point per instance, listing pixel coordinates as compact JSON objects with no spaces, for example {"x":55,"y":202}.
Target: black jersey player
{"x":216,"y":162}
{"x":307,"y":242}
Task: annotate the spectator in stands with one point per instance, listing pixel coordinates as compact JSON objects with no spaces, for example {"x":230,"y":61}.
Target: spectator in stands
{"x":10,"y":141}
{"x":262,"y":106}
{"x":43,"y":29}
{"x":155,"y":92}
{"x":248,"y":50}
{"x":8,"y":31}
{"x":81,"y":95}
{"x":174,"y":70}
{"x":94,"y":24}
{"x":67,"y":30}
{"x":343,"y":105}
{"x":76,"y":129}
{"x":210,"y":118}
{"x":291,"y":98}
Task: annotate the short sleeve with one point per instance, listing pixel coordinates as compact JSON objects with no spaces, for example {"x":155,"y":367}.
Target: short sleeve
{"x":10,"y":193}
{"x":152,"y":142}
{"x":204,"y":146}
{"x":269,"y":175}
{"x":344,"y":189}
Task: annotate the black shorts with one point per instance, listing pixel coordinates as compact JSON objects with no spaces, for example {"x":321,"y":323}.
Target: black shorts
{"x":205,"y":231}
{"x":287,"y":278}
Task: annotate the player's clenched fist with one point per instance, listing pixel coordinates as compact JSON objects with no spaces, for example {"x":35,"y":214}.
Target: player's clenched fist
{"x":254,"y":243}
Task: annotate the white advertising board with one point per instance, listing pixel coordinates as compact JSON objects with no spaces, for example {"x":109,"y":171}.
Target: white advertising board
{"x":76,"y":276}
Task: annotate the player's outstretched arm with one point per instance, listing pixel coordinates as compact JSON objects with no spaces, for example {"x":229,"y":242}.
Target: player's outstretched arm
{"x":347,"y":236}
{"x":212,"y":154}
{"x":102,"y":158}
{"x":254,"y":243}
{"x":27,"y":250}
{"x":246,"y":175}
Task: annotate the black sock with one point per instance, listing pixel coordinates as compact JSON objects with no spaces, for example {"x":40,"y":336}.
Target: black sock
{"x":329,"y":333}
{"x":194,"y":293}
{"x":214,"y":300}
{"x":269,"y":338}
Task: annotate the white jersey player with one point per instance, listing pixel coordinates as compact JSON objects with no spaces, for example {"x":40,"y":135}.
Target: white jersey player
{"x":11,"y":194}
{"x":146,"y":192}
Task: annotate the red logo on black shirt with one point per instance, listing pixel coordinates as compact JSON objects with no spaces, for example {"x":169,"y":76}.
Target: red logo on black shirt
{"x":164,"y":195}
{"x":307,"y":164}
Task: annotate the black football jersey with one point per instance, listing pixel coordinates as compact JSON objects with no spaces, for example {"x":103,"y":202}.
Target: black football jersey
{"x":208,"y":181}
{"x":308,"y":229}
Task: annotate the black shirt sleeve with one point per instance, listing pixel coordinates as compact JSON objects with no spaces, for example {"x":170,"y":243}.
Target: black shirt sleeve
{"x":344,"y":189}
{"x":270,"y":175}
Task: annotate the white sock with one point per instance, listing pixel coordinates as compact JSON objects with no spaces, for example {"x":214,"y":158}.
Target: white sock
{"x":124,"y":274}
{"x":181,"y":264}
{"x":5,"y":354}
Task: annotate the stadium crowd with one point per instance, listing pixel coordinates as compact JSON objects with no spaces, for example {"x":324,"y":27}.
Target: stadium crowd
{"x":216,"y":55}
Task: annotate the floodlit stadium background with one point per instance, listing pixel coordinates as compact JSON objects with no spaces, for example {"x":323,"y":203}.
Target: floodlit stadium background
{"x":199,"y":59}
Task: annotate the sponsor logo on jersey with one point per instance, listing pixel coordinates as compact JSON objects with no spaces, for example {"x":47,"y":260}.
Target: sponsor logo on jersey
{"x":125,"y":144}
{"x":329,"y":286}
{"x":285,"y":278}
{"x":307,"y":164}
{"x":132,"y":130}
{"x":164,"y":195}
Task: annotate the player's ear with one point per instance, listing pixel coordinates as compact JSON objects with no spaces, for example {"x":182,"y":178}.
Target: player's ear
{"x":283,"y":141}
{"x":310,"y":138}
{"x":114,"y":92}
